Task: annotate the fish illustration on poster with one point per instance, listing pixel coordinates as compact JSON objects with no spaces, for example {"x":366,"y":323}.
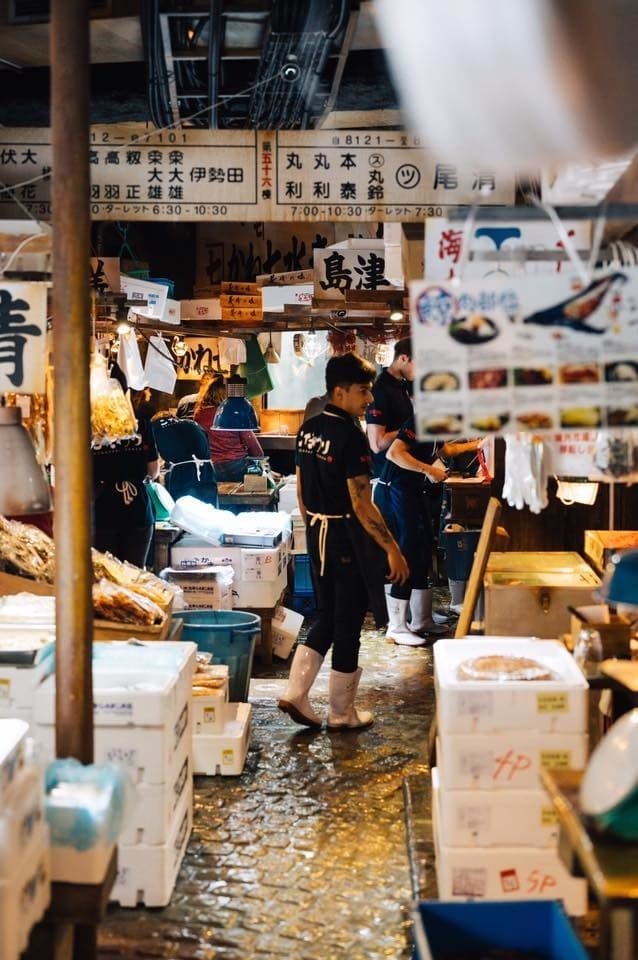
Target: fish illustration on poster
{"x":509,"y":354}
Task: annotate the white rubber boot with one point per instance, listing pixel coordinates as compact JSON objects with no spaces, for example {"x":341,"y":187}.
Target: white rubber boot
{"x":422,"y":621}
{"x":397,"y":630}
{"x":342,"y":713}
{"x":305,"y":666}
{"x":457,"y":593}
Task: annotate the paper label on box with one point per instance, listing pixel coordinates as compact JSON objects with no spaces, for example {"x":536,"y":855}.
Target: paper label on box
{"x":228,"y":757}
{"x":474,"y":818}
{"x":556,"y":759}
{"x":469,"y":881}
{"x":476,"y":704}
{"x":5,"y":689}
{"x":210,"y":715}
{"x":476,"y":764}
{"x":552,"y":702}
{"x":126,"y":758}
{"x":113,"y":708}
{"x":549,"y":817}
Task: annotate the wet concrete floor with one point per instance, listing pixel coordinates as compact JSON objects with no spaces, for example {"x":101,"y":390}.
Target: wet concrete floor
{"x":305,"y":855}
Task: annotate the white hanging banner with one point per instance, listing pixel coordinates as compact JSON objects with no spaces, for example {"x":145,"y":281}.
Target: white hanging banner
{"x":23,"y":346}
{"x":130,"y":361}
{"x":526,"y":353}
{"x":159,"y":368}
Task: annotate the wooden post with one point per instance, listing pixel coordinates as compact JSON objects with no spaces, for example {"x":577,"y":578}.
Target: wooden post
{"x":71,"y":242}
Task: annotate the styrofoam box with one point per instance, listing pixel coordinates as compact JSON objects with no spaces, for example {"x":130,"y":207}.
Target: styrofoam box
{"x":21,"y":816}
{"x":225,"y":753}
{"x":249,"y":563}
{"x":69,"y":865}
{"x":504,"y":873}
{"x":151,"y":818}
{"x":492,"y":818}
{"x":506,"y":761}
{"x":146,"y":873}
{"x":138,"y":658}
{"x":286,"y":625}
{"x":288,"y":497}
{"x":13,"y":735}
{"x":265,"y":594}
{"x":11,"y":712}
{"x":203,"y":588}
{"x":18,"y":684}
{"x":483,"y":706}
{"x":209,"y":712}
{"x":24,"y":897}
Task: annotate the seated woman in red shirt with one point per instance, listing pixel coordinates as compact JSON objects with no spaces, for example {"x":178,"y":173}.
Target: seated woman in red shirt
{"x":230,"y":450}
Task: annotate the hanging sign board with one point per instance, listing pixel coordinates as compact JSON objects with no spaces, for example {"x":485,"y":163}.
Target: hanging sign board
{"x":240,"y":175}
{"x":443,"y":242}
{"x":541,"y":354}
{"x":23,"y":347}
{"x":351,"y":265}
{"x":104,"y":275}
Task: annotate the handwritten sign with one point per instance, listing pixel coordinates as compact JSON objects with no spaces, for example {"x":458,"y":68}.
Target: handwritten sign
{"x":23,"y":349}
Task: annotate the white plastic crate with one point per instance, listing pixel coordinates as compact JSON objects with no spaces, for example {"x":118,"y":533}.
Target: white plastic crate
{"x":24,"y":897}
{"x":492,"y":818}
{"x":225,"y":753}
{"x":13,"y":734}
{"x":484,"y":706}
{"x":147,"y":873}
{"x":506,"y":761}
{"x":504,"y":873}
{"x":155,"y":804}
{"x":142,"y":657}
{"x":21,"y":817}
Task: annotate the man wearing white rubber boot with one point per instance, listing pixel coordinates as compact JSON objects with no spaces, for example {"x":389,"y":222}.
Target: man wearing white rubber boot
{"x":342,"y":523}
{"x":401,"y":499}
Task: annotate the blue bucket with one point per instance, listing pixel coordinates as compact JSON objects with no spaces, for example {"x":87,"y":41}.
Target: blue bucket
{"x":231,"y":636}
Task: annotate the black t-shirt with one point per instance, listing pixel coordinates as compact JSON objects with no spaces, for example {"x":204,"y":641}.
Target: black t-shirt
{"x":420,"y":450}
{"x":391,"y":407}
{"x":331,"y":449}
{"x":120,"y":495}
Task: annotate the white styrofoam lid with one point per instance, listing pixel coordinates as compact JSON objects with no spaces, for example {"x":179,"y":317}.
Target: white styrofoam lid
{"x":450,"y":652}
{"x":11,"y":733}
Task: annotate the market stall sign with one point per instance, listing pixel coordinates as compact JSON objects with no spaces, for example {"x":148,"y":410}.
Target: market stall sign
{"x":235,"y":175}
{"x":539,"y":354}
{"x":23,"y":347}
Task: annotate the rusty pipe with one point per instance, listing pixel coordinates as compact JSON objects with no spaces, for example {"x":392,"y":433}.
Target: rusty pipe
{"x":71,"y":240}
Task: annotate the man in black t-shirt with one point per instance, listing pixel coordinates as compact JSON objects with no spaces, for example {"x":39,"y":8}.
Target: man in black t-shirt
{"x":392,"y":403}
{"x":334,"y":494}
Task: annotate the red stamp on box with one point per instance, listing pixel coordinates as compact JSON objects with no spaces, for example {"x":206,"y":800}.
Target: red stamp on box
{"x":509,"y":881}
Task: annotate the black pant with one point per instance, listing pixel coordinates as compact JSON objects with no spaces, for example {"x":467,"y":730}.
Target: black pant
{"x":125,"y":543}
{"x":342,"y":598}
{"x":406,"y":513}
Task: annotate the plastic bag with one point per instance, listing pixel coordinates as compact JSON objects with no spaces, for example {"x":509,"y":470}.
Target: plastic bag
{"x":112,"y":416}
{"x":86,"y":806}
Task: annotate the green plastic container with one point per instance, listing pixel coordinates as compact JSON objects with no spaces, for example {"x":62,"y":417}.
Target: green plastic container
{"x":231,"y":636}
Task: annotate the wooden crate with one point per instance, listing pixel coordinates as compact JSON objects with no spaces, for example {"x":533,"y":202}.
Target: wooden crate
{"x":600,"y":545}
{"x":528,"y":593}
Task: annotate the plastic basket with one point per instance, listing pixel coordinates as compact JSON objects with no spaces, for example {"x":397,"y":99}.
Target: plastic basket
{"x":444,"y":928}
{"x":303,"y":575}
{"x":459,"y":553}
{"x":231,"y":636}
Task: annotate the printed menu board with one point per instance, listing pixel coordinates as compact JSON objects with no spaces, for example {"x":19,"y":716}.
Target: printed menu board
{"x":542,"y":354}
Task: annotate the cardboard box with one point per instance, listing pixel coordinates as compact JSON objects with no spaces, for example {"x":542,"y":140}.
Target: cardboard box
{"x":601,"y":545}
{"x":171,"y":312}
{"x":506,"y":761}
{"x":484,"y":706}
{"x":503,"y":873}
{"x":249,"y":563}
{"x":527,"y":593}
{"x":496,"y":818}
{"x":286,"y":625}
{"x":614,"y":629}
{"x":205,"y":588}
{"x":200,"y":311}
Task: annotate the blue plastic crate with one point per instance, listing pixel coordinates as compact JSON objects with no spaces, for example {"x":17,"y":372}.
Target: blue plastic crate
{"x":304,"y":603}
{"x":303,"y":575}
{"x":440,"y":929}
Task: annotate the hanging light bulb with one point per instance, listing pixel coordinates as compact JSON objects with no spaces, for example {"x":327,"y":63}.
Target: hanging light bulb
{"x":312,"y":346}
{"x":236,"y":412}
{"x":271,"y":355}
{"x":397,"y":316}
{"x":123,"y":328}
{"x":383,"y":354}
{"x":178,"y":346}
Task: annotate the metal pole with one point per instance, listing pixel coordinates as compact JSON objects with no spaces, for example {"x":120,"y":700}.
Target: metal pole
{"x":71,"y":241}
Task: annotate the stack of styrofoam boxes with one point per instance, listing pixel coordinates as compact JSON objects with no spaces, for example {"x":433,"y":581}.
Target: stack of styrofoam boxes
{"x":221,"y":730}
{"x":142,"y":717}
{"x":260,"y":572}
{"x":288,"y":495}
{"x":19,"y":683}
{"x":299,"y":541}
{"x":25,"y":878}
{"x":494,"y":826}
